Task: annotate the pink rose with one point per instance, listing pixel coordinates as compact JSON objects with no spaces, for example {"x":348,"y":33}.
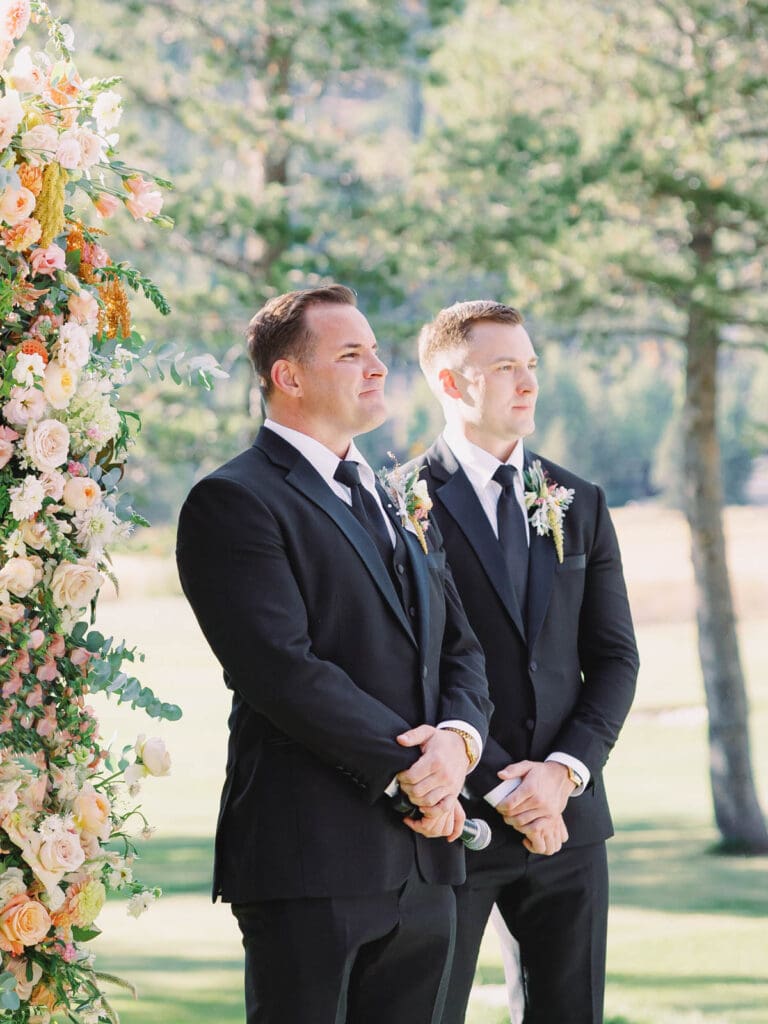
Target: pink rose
{"x":6,"y":452}
{"x":48,"y":261}
{"x":69,"y":153}
{"x":47,"y":444}
{"x":15,"y":18}
{"x":146,"y":199}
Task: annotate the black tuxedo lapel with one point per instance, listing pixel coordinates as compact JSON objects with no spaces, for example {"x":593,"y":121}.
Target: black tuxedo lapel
{"x":542,"y":560}
{"x":458,"y":496}
{"x":302,"y":475}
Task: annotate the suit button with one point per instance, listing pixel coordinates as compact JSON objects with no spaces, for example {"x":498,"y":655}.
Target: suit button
{"x":533,"y":666}
{"x":425,"y":673}
{"x":412,"y":612}
{"x":530,"y":725}
{"x":400,"y":568}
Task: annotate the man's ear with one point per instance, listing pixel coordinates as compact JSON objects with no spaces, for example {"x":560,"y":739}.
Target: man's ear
{"x":448,"y":384}
{"x":285,"y":378}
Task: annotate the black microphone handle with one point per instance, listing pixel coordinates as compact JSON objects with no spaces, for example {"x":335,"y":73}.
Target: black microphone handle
{"x":475,"y":835}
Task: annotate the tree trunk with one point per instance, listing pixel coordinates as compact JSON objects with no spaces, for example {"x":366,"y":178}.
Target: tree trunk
{"x":737,"y":811}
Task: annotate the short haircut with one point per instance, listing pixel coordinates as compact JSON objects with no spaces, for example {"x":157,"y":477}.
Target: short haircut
{"x":279,"y":329}
{"x":452,"y":327}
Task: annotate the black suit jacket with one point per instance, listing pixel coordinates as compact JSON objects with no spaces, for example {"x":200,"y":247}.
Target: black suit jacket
{"x":326,"y":668}
{"x":565,"y":682}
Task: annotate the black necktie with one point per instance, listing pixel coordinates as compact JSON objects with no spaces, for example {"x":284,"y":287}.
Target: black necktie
{"x":365,"y":508}
{"x":512,"y":535}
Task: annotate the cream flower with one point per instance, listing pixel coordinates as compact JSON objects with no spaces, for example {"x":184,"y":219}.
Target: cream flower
{"x":24,"y":405}
{"x":11,"y":884}
{"x":26,"y":498}
{"x":18,"y":576}
{"x":28,"y":369}
{"x":40,"y":143}
{"x":25,"y":75}
{"x":35,"y":534}
{"x":107,"y":110}
{"x":74,"y":584}
{"x":73,"y":348}
{"x":11,"y":113}
{"x":47,"y":444}
{"x":16,"y":204}
{"x":59,"y":385}
{"x":154,"y":755}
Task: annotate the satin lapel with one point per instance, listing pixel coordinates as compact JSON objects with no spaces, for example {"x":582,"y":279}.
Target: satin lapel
{"x":419,"y":568}
{"x":459,"y":498}
{"x":541,"y":574}
{"x":305,"y":479}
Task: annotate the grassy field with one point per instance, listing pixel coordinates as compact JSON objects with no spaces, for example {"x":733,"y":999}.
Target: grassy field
{"x":688,"y":937}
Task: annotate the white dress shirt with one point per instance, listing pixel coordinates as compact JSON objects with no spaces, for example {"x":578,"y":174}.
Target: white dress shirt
{"x":479,"y":466}
{"x":325,"y":462}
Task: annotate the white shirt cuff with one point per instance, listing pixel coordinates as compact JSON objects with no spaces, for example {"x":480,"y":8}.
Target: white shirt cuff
{"x":498,"y":793}
{"x":393,"y":788}
{"x":465,"y":727}
{"x":578,"y":766}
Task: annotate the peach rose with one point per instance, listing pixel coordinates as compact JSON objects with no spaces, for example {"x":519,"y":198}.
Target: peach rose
{"x":47,"y":444}
{"x":74,"y":584}
{"x":48,"y":261}
{"x":23,"y":922}
{"x":16,"y":204}
{"x":91,"y":810}
{"x":59,"y":384}
{"x":81,"y":493}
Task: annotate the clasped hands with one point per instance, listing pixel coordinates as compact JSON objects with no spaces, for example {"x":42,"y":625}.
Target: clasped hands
{"x":433,"y":783}
{"x":536,"y":807}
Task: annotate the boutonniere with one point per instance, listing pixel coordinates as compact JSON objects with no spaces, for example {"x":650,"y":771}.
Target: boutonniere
{"x":546,"y":503}
{"x":409,"y":496}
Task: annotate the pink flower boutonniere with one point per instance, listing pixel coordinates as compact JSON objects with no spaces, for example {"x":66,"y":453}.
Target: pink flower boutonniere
{"x":546,"y":503}
{"x":410,"y":497}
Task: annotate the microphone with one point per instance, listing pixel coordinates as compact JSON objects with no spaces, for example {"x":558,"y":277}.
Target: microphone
{"x":475,"y":835}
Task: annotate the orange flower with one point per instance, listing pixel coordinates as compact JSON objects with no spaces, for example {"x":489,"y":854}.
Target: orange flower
{"x":31,"y":177}
{"x":23,"y":922}
{"x":35,"y":347}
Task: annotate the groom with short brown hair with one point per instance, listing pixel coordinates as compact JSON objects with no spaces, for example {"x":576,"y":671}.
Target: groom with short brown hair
{"x":352,"y":670}
{"x":536,"y":563}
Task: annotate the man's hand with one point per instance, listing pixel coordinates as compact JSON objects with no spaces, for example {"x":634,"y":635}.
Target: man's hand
{"x":545,"y":835}
{"x":436,"y":823}
{"x":543,"y":793}
{"x":439,"y":773}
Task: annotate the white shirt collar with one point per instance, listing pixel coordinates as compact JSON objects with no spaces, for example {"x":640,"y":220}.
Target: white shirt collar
{"x":477,"y":463}
{"x":323,"y":459}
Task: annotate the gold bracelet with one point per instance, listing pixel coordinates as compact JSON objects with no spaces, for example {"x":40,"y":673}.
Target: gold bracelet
{"x":469,"y":745}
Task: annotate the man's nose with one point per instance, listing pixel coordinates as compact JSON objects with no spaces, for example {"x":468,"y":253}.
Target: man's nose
{"x":528,"y":382}
{"x":375,"y":367}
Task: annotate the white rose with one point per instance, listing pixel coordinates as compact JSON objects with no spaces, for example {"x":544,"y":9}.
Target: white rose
{"x":73,"y":348}
{"x":80,"y":492}
{"x":11,"y":884}
{"x":35,"y":534}
{"x":47,"y":443}
{"x":107,"y":110}
{"x":59,"y":384}
{"x":40,"y":142}
{"x":421,"y":493}
{"x":154,"y":754}
{"x":61,"y":852}
{"x":26,"y":498}
{"x":18,"y":576}
{"x":74,"y":584}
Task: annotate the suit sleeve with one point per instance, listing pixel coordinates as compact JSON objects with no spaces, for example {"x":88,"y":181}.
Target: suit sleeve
{"x":237,"y":576}
{"x":607,"y":653}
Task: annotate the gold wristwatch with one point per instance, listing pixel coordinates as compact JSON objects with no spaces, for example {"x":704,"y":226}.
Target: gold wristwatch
{"x":470,"y":746}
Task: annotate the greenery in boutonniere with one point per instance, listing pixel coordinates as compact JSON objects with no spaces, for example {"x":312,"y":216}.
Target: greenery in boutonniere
{"x":546,"y":503}
{"x":410,"y":497}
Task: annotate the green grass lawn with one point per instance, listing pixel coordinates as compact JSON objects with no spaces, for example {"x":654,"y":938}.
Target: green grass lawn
{"x":688,"y":939}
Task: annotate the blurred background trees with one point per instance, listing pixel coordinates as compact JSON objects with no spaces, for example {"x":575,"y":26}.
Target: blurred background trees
{"x":600,"y":165}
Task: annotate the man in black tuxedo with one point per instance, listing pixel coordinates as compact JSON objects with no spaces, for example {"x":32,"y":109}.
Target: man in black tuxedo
{"x":561,"y":663}
{"x":352,"y":668}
